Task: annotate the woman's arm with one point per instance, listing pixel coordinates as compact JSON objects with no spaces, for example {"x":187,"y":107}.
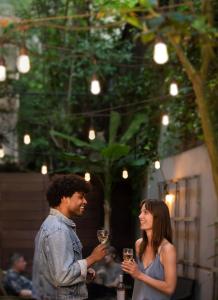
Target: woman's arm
{"x":168,"y":257}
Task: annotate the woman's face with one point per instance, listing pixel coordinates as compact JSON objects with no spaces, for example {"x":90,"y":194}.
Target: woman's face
{"x":146,"y":219}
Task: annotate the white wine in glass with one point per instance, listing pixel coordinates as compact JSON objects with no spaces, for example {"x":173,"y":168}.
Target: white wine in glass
{"x":102,"y":236}
{"x":128,"y":254}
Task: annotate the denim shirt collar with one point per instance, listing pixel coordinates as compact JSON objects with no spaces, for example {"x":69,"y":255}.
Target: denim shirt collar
{"x":55,"y":212}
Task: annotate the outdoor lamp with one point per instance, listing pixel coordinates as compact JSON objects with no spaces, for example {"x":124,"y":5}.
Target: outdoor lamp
{"x":23,"y":61}
{"x":91,"y":134}
{"x":174,"y":89}
{"x":95,"y":86}
{"x":44,"y":169}
{"x":160,"y":54}
{"x":87,"y":176}
{"x":157,"y":165}
{"x":125,"y":174}
{"x":2,"y":69}
{"x":165,"y":120}
{"x":26,"y":139}
{"x":2,"y":152}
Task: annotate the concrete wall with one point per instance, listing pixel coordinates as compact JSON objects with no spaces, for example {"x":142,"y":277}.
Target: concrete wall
{"x":190,"y":163}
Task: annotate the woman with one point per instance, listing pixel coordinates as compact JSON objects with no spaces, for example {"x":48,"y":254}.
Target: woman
{"x":155,"y":271}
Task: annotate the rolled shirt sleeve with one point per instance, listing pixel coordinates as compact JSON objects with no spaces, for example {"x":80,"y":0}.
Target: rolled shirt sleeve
{"x":63,"y":266}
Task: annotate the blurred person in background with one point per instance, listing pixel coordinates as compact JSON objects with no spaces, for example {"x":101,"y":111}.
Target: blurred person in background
{"x":15,"y":283}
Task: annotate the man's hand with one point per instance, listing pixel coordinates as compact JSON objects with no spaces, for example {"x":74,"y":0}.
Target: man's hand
{"x":97,"y":254}
{"x":90,"y":274}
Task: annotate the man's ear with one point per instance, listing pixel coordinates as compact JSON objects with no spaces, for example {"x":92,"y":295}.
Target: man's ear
{"x":64,"y":199}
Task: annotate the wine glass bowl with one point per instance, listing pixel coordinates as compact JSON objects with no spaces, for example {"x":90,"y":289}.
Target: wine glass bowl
{"x":102,"y":235}
{"x":127,"y":254}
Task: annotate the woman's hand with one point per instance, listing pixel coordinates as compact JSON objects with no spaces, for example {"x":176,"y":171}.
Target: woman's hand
{"x":131,"y":268}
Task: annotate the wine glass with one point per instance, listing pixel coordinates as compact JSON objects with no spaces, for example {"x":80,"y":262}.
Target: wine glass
{"x":102,"y":235}
{"x":127,"y":254}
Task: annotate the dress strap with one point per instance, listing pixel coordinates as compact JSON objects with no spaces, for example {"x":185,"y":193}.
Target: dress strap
{"x":161,"y":246}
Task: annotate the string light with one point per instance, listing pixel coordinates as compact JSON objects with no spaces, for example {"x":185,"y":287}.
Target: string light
{"x":157,"y":165}
{"x":2,"y":69}
{"x":26,"y":139}
{"x":44,"y":169}
{"x":23,"y":61}
{"x":91,"y":134}
{"x":160,"y":54}
{"x":95,"y":86}
{"x":174,"y":89}
{"x":165,"y":120}
{"x":125,"y":174}
{"x":87,"y":176}
{"x":2,"y":152}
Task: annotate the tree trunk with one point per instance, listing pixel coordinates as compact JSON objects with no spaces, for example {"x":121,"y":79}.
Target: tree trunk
{"x":107,"y":196}
{"x":198,"y":82}
{"x":208,"y":128}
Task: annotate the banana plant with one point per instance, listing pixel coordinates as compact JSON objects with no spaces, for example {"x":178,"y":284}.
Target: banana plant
{"x":105,"y":156}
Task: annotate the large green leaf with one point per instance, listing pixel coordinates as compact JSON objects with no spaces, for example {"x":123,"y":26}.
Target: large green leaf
{"x":115,"y":151}
{"x":75,"y":157}
{"x":77,"y":142}
{"x":138,"y":120}
{"x":114,"y":125}
{"x":133,"y":21}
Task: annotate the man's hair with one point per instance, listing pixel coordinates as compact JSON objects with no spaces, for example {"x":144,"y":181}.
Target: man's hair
{"x":65,"y":186}
{"x":14,"y":258}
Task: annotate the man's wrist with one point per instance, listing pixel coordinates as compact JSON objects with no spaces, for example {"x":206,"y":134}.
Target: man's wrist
{"x":90,"y":260}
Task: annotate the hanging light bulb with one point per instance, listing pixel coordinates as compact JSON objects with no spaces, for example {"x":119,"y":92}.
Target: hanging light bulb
{"x":44,"y":169}
{"x":91,"y":134}
{"x":165,"y":120}
{"x":157,"y":165}
{"x":87,"y":176}
{"x":160,"y":54}
{"x":26,"y":139}
{"x":2,"y":152}
{"x":23,"y":61}
{"x":95,"y":86}
{"x":125,"y":174}
{"x":174,"y":89}
{"x":2,"y":69}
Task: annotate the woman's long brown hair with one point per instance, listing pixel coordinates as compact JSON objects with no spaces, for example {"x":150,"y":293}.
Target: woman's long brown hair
{"x":161,"y":225}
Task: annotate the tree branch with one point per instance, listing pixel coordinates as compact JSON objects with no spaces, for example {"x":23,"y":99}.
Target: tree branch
{"x":190,"y":69}
{"x":207,"y":52}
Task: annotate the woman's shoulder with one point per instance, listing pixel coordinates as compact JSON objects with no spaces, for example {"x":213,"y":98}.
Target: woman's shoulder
{"x":138,"y":242}
{"x":137,"y":245}
{"x":166,"y":248}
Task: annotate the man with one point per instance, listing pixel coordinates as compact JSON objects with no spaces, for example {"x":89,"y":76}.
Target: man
{"x":59,"y":272}
{"x":14,"y":282}
{"x":108,"y":270}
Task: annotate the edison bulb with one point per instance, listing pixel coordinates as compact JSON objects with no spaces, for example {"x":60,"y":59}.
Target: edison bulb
{"x":87,"y":176}
{"x":44,"y":169}
{"x":157,"y":164}
{"x":160,"y":55}
{"x":174,"y":89}
{"x":91,"y":134}
{"x":125,"y":174}
{"x":26,"y":139}
{"x":165,"y":120}
{"x":95,"y":86}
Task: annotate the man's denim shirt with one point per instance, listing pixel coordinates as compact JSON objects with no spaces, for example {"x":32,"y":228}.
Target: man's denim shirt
{"x":59,"y":272}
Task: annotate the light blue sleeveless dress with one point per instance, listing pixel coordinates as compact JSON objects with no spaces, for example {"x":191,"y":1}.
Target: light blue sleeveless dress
{"x":141,"y":290}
